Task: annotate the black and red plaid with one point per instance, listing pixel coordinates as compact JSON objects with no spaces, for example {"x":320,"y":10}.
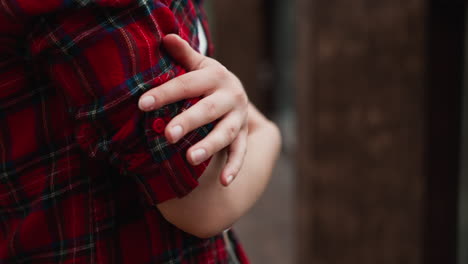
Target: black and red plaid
{"x":81,"y":168}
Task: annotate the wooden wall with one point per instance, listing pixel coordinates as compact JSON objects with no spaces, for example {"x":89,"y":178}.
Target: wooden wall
{"x":379,"y":103}
{"x":244,"y":45}
{"x":378,"y":100}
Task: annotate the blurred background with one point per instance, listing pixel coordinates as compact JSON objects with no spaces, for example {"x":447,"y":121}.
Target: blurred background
{"x":372,"y":100}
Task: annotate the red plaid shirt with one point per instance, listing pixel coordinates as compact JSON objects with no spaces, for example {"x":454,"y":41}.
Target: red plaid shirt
{"x":81,"y":168}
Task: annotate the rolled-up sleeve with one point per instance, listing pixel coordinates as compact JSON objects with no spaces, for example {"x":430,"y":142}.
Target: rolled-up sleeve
{"x":102,"y":59}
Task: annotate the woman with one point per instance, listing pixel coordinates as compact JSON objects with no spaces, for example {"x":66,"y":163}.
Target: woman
{"x":87,"y":177}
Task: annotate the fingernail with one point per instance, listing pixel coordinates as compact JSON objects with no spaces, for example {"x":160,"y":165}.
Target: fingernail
{"x":176,"y":133}
{"x":147,"y":102}
{"x":229,"y":179}
{"x":198,"y":156}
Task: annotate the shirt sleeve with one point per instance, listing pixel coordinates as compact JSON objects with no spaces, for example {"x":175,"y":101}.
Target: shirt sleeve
{"x":102,"y":60}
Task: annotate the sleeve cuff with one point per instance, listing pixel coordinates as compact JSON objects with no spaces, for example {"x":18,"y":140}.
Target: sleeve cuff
{"x":160,"y":168}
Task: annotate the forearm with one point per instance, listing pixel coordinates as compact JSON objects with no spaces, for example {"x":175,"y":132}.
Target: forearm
{"x":211,"y":207}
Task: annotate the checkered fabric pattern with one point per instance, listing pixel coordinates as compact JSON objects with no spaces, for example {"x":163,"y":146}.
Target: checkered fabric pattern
{"x":81,"y":168}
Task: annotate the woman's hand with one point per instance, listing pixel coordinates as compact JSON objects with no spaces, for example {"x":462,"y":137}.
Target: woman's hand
{"x":198,"y":213}
{"x":224,"y":99}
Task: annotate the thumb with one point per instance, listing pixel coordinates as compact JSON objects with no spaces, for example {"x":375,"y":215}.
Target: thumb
{"x":182,"y":52}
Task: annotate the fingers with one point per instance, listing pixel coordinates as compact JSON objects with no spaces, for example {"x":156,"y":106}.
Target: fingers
{"x":236,"y":155}
{"x":204,"y":112}
{"x":224,"y":98}
{"x":190,"y":85}
{"x":204,"y":76}
{"x":220,"y":137}
{"x":183,"y":53}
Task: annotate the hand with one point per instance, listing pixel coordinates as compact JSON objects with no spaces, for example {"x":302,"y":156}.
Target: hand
{"x":224,"y":99}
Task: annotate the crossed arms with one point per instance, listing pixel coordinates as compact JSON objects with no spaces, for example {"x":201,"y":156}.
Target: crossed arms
{"x":113,"y":128}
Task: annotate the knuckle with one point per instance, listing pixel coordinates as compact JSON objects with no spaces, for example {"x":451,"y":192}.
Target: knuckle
{"x":221,"y":72}
{"x":219,"y":141}
{"x":231,"y":133}
{"x":210,"y":62}
{"x":210,"y":110}
{"x":182,"y":85}
{"x":240,"y":97}
{"x":201,"y":62}
{"x":224,"y":140}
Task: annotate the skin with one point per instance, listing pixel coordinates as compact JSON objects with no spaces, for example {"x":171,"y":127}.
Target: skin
{"x":212,"y":208}
{"x":224,"y":99}
{"x":215,"y":205}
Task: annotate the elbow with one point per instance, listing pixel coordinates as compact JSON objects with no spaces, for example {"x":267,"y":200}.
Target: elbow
{"x":207,"y":230}
{"x":199,"y":223}
{"x":275,"y":136}
{"x":205,"y":233}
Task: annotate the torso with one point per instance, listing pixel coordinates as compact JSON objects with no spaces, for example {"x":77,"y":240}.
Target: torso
{"x":56,"y":204}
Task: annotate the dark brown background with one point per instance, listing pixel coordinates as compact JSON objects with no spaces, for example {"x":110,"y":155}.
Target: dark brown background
{"x":378,"y":87}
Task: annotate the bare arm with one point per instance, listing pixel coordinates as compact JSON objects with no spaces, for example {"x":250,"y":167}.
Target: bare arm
{"x":211,"y":208}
